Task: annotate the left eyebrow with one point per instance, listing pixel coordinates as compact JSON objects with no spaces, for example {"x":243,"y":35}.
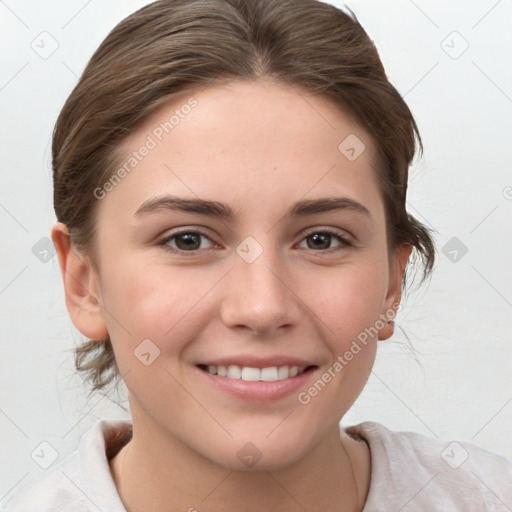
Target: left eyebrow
{"x":326,"y":204}
{"x":215,"y":209}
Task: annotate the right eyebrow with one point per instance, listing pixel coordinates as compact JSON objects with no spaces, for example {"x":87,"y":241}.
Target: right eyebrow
{"x":203,"y":206}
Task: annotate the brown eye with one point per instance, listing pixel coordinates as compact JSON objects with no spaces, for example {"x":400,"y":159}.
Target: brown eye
{"x":319,"y":241}
{"x":187,"y":241}
{"x":325,"y":240}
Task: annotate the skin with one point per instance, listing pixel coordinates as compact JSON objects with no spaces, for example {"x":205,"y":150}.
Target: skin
{"x":258,"y":147}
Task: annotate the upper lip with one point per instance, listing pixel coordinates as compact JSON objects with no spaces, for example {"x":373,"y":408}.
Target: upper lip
{"x":258,"y":362}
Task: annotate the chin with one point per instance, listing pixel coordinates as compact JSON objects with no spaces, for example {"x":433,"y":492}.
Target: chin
{"x":260,"y":453}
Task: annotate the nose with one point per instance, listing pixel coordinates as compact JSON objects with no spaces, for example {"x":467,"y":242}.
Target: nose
{"x":259,"y":296}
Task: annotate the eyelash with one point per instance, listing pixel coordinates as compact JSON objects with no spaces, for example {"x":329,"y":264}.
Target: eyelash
{"x":345,"y":243}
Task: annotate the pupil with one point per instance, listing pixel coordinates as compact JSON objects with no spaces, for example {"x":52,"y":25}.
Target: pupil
{"x":188,"y":241}
{"x":322,"y":241}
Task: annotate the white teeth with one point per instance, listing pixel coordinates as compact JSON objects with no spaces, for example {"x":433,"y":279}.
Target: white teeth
{"x":234,"y":372}
{"x":269,"y":374}
{"x":283,"y":372}
{"x":251,"y":374}
{"x":247,"y":373}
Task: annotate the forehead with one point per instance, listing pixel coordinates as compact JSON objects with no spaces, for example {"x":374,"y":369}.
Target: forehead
{"x":247,"y":139}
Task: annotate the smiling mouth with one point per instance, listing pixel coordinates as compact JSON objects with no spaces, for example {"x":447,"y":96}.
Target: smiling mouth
{"x":251,"y":374}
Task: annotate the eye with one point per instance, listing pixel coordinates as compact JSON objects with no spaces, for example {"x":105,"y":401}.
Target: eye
{"x":322,"y":240}
{"x":187,"y":241}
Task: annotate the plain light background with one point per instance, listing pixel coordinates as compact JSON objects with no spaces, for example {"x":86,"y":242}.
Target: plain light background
{"x":451,"y":61}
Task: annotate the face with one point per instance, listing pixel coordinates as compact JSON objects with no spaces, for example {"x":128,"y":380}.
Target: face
{"x":245,"y":236}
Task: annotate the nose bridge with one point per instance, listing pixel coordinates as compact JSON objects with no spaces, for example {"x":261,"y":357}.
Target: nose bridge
{"x":257,"y":295}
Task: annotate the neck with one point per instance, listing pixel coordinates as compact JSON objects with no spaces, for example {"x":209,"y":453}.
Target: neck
{"x":155,"y":471}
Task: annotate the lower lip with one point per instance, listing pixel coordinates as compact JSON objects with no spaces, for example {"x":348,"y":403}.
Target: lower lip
{"x":258,"y":390}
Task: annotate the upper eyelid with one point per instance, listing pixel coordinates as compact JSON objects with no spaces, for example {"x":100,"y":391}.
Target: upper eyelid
{"x":330,"y":230}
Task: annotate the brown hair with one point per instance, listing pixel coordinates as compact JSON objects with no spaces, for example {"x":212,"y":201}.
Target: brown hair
{"x":172,"y":45}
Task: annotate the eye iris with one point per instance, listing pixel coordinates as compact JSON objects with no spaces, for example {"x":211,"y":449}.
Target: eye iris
{"x":321,"y":241}
{"x":190,"y":241}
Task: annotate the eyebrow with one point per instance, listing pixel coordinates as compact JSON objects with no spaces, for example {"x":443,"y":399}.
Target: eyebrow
{"x":216,"y":209}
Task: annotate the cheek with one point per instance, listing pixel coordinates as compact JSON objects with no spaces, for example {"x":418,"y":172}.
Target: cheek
{"x":347,"y":300}
{"x":347,"y":308}
{"x":144,"y":300}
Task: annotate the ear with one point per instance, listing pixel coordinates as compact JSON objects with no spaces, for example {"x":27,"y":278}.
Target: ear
{"x":394,"y":294}
{"x":81,"y":286}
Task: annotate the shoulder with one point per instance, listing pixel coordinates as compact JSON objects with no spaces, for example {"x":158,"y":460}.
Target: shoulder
{"x":81,"y":482}
{"x":413,"y":472}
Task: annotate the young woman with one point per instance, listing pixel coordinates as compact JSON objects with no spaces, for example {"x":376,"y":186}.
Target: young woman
{"x":230,"y":187}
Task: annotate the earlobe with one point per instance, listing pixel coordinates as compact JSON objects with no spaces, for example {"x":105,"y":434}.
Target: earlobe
{"x":81,"y":286}
{"x":394,"y":295}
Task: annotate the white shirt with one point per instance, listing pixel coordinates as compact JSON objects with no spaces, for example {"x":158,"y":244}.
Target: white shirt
{"x":410,"y":473}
